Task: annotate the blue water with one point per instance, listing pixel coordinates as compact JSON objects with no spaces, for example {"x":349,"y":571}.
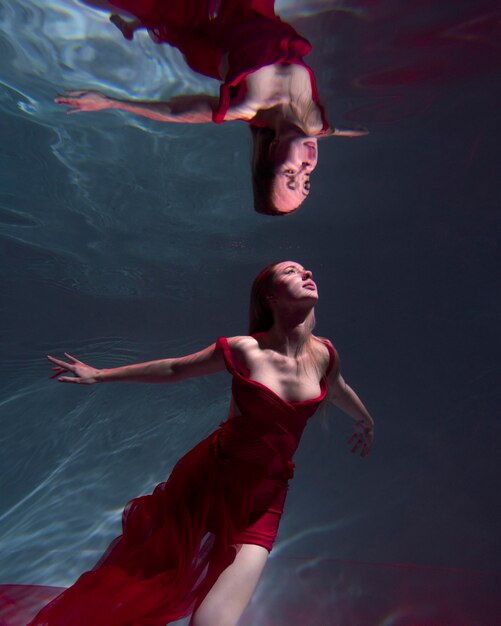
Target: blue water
{"x":124,"y":239}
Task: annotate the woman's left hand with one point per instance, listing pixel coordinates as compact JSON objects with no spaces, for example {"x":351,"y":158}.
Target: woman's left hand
{"x":363,"y":438}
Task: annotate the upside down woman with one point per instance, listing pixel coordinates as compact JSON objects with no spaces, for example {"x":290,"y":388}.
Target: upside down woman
{"x":265,"y":82}
{"x":198,"y":544}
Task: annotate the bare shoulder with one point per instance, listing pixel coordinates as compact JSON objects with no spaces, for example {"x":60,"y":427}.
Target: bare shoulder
{"x":242,"y":345}
{"x":241,"y":342}
{"x":324,"y":349}
{"x":243,"y":349}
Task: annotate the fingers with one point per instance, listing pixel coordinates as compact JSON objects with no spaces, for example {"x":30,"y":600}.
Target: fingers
{"x":66,"y":100}
{"x":362,"y":444}
{"x":72,"y":358}
{"x":61,"y":367}
{"x":357,"y":440}
{"x":69,"y":379}
{"x":365,"y":451}
{"x":76,"y":108}
{"x":356,"y":446}
{"x":58,"y":371}
{"x":366,"y":448}
{"x":62,"y":364}
{"x":82,"y":101}
{"x":70,"y":102}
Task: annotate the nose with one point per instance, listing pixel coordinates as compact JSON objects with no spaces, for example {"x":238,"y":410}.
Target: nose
{"x":307,"y":274}
{"x":307,"y":166}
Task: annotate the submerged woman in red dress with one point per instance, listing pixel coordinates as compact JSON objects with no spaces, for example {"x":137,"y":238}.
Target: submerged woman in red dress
{"x":198,"y":544}
{"x":264,"y":81}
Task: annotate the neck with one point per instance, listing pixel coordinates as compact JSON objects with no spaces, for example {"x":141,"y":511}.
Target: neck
{"x":289,"y":331}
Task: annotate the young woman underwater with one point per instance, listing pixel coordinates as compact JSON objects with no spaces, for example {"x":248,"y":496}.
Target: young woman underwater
{"x":264,"y":81}
{"x":198,"y":544}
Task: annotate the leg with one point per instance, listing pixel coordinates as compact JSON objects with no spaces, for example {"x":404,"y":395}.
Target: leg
{"x":232,"y":591}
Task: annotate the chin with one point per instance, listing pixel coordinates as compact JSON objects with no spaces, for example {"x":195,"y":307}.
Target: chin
{"x":312,"y":296}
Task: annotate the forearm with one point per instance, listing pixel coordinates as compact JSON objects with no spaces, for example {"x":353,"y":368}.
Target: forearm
{"x":206,"y":361}
{"x":347,"y":400}
{"x":199,"y":112}
{"x":162,"y":371}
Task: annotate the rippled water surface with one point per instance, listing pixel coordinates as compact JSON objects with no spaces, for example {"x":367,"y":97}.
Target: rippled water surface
{"x":124,"y":239}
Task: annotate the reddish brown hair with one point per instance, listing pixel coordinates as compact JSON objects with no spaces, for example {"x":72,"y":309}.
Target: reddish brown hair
{"x":260,"y":314}
{"x":263,"y":171}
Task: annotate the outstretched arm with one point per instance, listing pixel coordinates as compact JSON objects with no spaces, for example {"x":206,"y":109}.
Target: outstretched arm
{"x":345,"y":398}
{"x":207,"y":361}
{"x":350,"y":132}
{"x":196,"y":109}
{"x":360,"y":131}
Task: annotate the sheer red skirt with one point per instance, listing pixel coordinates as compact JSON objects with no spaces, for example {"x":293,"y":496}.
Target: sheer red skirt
{"x":174,"y":545}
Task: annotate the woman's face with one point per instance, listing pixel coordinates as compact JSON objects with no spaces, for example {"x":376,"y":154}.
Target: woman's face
{"x":295,"y":158}
{"x":293,"y":283}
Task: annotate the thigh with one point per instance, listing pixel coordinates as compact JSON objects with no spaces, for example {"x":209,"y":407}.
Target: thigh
{"x":267,"y":510}
{"x":232,"y":591}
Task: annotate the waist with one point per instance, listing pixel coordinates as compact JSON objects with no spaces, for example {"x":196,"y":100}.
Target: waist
{"x":236,"y":443}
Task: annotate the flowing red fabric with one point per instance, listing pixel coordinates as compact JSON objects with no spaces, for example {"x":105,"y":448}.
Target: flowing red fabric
{"x":246,"y":32}
{"x":229,"y":489}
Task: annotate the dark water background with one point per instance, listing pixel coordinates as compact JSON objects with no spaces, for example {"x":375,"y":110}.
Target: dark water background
{"x":125,"y":240}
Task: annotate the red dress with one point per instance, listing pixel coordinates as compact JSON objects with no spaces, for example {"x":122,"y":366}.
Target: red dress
{"x":229,"y":489}
{"x":247,"y":31}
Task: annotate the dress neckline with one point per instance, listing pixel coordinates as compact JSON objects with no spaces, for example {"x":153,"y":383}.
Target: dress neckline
{"x":319,"y":398}
{"x":223,"y":342}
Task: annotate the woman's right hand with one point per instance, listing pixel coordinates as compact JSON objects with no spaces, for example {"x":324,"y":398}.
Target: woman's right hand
{"x":82,"y":374}
{"x":84,"y":101}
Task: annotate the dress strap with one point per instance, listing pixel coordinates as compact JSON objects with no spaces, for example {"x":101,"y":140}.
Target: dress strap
{"x":222,"y":343}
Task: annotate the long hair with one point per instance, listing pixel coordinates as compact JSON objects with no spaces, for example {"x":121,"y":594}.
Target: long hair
{"x":263,"y":171}
{"x":261,"y":315}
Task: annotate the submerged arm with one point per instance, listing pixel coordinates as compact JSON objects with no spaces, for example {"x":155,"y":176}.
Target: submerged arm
{"x":345,"y":398}
{"x":196,"y":109}
{"x":207,"y":361}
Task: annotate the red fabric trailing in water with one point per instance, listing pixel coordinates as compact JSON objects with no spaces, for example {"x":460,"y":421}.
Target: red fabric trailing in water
{"x":157,"y":570}
{"x":229,"y":489}
{"x":247,"y":32}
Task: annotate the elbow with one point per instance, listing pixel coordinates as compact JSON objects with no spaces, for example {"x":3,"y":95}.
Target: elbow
{"x":173,"y":373}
